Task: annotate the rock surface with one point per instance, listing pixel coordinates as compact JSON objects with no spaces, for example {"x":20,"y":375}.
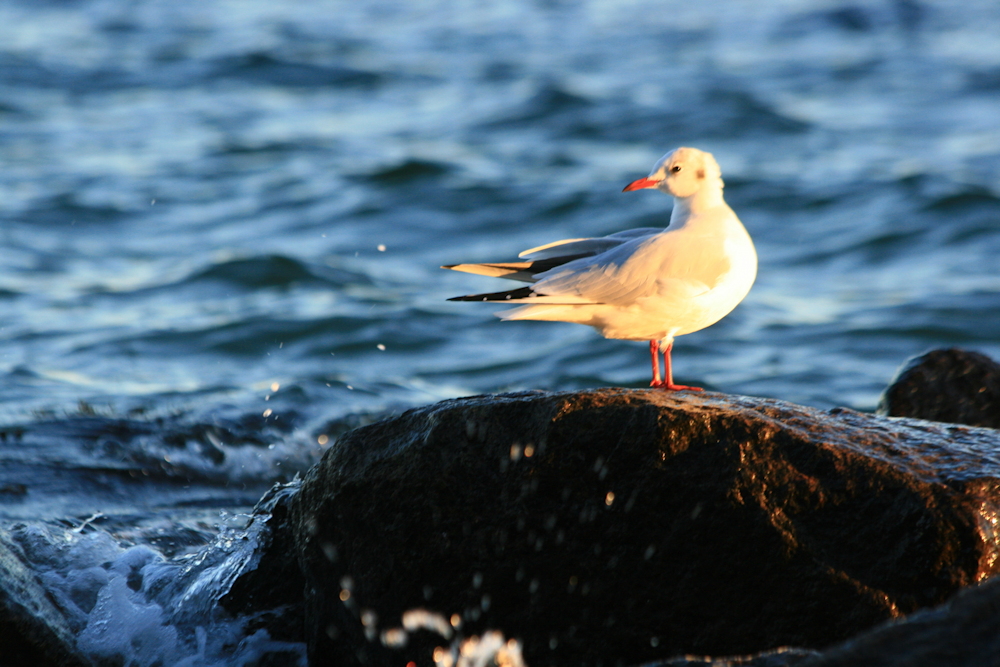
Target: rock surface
{"x":33,"y":631}
{"x":270,"y":579}
{"x":964,"y":632}
{"x":618,"y":527}
{"x":954,"y":386}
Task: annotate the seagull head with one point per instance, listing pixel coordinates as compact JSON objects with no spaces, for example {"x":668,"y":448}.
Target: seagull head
{"x":681,"y":173}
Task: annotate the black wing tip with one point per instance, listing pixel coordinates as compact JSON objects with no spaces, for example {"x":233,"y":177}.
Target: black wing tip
{"x":521,"y":293}
{"x":470,"y":297}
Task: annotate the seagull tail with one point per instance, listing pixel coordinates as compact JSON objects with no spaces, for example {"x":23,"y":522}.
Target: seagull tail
{"x":549,"y":312}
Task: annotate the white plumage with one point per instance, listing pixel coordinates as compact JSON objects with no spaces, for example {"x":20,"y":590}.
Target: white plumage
{"x":643,"y":284}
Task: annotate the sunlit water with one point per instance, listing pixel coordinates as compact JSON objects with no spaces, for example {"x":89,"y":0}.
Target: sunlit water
{"x":221,"y":222}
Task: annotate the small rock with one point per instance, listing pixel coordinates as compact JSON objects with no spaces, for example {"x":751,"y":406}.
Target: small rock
{"x":954,"y":386}
{"x":33,"y":631}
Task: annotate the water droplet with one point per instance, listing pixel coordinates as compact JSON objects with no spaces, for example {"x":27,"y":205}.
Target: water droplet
{"x":275,"y":387}
{"x":396,"y":638}
{"x":609,"y":498}
{"x":381,"y":247}
{"x":323,"y":439}
{"x":529,"y":451}
{"x":345,"y":595}
{"x":381,"y":347}
{"x":421,"y":619}
{"x":515,"y":452}
{"x":267,"y":413}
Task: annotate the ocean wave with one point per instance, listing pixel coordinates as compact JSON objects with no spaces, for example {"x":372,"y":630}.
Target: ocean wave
{"x":408,"y":171}
{"x":260,"y":67}
{"x":245,"y":448}
{"x":968,"y":201}
{"x":550,"y":103}
{"x":66,"y":209}
{"x":273,"y":271}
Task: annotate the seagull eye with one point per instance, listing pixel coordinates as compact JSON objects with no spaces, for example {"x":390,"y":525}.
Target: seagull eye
{"x":675,"y":168}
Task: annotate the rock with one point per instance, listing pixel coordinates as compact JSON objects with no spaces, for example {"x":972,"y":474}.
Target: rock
{"x":783,"y":657}
{"x":954,"y":386}
{"x":33,"y":631}
{"x":268,"y":578}
{"x":619,"y":526}
{"x":965,"y":632}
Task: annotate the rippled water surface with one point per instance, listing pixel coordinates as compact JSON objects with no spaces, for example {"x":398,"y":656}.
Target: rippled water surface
{"x":221,"y":222}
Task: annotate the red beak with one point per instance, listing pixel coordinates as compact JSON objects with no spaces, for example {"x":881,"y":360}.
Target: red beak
{"x":640,"y":184}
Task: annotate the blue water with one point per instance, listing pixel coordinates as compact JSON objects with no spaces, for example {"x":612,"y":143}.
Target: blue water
{"x":221,"y":222}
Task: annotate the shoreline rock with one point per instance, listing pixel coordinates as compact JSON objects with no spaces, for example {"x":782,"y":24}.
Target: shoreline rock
{"x":33,"y":630}
{"x":642,"y":524}
{"x":954,"y":386}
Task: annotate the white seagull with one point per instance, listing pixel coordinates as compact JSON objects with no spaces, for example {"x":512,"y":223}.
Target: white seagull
{"x":643,"y":284}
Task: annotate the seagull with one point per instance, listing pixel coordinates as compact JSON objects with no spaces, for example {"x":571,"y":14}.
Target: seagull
{"x":642,"y":284}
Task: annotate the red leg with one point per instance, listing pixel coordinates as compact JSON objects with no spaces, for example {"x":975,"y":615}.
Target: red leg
{"x":669,"y":375}
{"x":654,"y":352}
{"x":668,"y":381}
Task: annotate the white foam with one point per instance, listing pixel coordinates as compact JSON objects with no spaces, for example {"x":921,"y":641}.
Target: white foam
{"x":132,"y":606}
{"x":123,"y":625}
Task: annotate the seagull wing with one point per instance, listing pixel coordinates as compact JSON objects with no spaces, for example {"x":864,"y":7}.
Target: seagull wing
{"x":644,"y":266}
{"x":523,"y":271}
{"x":588,"y":246}
{"x":552,"y":255}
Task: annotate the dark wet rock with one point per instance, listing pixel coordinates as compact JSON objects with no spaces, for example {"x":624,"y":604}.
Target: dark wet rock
{"x":953,"y":386}
{"x":620,"y":527}
{"x":33,"y":631}
{"x":782,"y":657}
{"x":268,"y":583}
{"x":964,"y":632}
